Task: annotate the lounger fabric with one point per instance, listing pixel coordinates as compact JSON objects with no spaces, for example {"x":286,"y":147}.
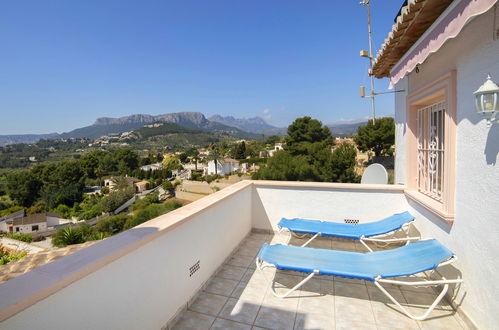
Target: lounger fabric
{"x":345,"y":230}
{"x":407,"y":260}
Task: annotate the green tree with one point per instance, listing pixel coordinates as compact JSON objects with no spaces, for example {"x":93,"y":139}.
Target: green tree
{"x":240,"y":150}
{"x":343,"y":160}
{"x":272,"y":140}
{"x":378,"y":137}
{"x":126,"y":159}
{"x":286,"y":167}
{"x":68,"y":194}
{"x":304,"y":132}
{"x":23,"y":187}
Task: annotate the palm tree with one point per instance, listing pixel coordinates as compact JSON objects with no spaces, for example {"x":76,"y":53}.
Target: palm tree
{"x":196,"y":159}
{"x":215,"y":156}
{"x":120,"y":182}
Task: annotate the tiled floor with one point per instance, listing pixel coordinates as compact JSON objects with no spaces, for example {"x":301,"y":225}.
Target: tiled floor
{"x":238,"y":297}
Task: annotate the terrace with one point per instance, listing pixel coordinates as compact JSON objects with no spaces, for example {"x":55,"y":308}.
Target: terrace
{"x":194,"y":268}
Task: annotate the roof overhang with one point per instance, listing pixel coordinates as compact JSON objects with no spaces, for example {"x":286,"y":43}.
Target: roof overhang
{"x":414,"y":19}
{"x":416,"y":36}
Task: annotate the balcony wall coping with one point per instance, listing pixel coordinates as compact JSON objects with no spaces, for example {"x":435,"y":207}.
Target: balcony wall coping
{"x":23,"y":291}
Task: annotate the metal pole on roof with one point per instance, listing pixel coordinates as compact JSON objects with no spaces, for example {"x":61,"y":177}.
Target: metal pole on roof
{"x":368,"y":5}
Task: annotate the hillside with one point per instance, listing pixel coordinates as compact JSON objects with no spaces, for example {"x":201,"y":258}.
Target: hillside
{"x":25,"y":138}
{"x":193,"y":120}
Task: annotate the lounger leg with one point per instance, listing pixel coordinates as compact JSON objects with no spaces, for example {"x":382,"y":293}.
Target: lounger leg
{"x":406,"y":312}
{"x":290,"y":291}
{"x":311,"y":239}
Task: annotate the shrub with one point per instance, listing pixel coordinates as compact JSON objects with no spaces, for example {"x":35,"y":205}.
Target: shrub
{"x":6,"y":256}
{"x":150,"y":212}
{"x":116,"y":198}
{"x":112,"y":225}
{"x":66,"y":236}
{"x":20,"y":237}
{"x":75,"y":235}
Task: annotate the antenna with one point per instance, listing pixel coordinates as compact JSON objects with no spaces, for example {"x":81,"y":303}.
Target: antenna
{"x":369,"y":55}
{"x":367,"y":3}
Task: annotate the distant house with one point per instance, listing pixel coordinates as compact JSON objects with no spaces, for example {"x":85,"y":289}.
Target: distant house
{"x":224,"y":167}
{"x":271,"y":152}
{"x":340,"y":141}
{"x":152,"y":167}
{"x":29,"y":224}
{"x":6,"y":221}
{"x":139,"y":185}
{"x":35,"y":222}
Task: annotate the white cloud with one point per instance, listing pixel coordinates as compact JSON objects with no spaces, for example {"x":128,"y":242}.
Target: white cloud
{"x":266,"y":114}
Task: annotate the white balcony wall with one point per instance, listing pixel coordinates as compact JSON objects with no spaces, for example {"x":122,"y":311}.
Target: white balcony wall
{"x":147,"y":285}
{"x":331,"y":202}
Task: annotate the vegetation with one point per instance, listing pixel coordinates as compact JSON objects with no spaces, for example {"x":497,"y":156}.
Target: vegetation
{"x":62,"y":182}
{"x":20,"y":237}
{"x":378,"y":136}
{"x":307,"y":156}
{"x":142,"y":211}
{"x":6,"y":256}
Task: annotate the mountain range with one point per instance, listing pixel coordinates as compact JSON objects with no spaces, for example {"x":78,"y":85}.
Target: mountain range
{"x":247,"y":128}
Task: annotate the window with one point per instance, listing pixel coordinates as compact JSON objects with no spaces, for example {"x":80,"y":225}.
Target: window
{"x":431,"y":150}
{"x":34,"y":228}
{"x":17,"y":229}
{"x":431,"y":147}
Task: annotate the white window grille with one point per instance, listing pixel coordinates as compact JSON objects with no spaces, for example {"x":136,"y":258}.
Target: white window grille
{"x":431,"y":150}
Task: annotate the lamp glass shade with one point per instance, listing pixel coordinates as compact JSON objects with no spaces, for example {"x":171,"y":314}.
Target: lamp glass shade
{"x":487,"y":97}
{"x":487,"y":102}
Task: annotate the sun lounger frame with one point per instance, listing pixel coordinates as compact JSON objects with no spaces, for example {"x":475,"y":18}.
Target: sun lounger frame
{"x":428,"y":282}
{"x":378,"y":240}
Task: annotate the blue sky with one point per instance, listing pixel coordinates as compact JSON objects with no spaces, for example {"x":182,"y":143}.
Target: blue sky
{"x":65,"y":63}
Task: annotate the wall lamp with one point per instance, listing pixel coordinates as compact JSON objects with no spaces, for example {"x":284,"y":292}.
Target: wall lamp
{"x":487,"y":101}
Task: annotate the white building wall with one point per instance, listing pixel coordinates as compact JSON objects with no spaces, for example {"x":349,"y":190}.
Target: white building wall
{"x":26,"y":229}
{"x":400,"y":131}
{"x":3,"y":226}
{"x":473,"y":236}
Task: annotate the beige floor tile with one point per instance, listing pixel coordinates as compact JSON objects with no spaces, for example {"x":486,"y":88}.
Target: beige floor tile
{"x":314,"y":321}
{"x":442,"y":317}
{"x":254,"y":274}
{"x":273,"y":317}
{"x":318,"y":305}
{"x":247,"y":250}
{"x":231,"y":272}
{"x":344,"y":245}
{"x":389,"y":316}
{"x":221,"y":286}
{"x":317,"y":286}
{"x":208,"y":303}
{"x":221,"y":324}
{"x":193,"y":321}
{"x":350,"y":290}
{"x":320,"y":243}
{"x":353,"y":325}
{"x":241,"y":261}
{"x":347,"y":309}
{"x":239,"y":310}
{"x":255,"y":293}
{"x":441,"y":320}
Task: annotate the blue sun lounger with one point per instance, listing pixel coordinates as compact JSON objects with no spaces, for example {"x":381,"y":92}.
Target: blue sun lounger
{"x":362,"y":232}
{"x":376,"y":267}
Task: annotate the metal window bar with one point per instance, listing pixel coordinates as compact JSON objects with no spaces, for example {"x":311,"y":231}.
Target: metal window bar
{"x":431,"y":150}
